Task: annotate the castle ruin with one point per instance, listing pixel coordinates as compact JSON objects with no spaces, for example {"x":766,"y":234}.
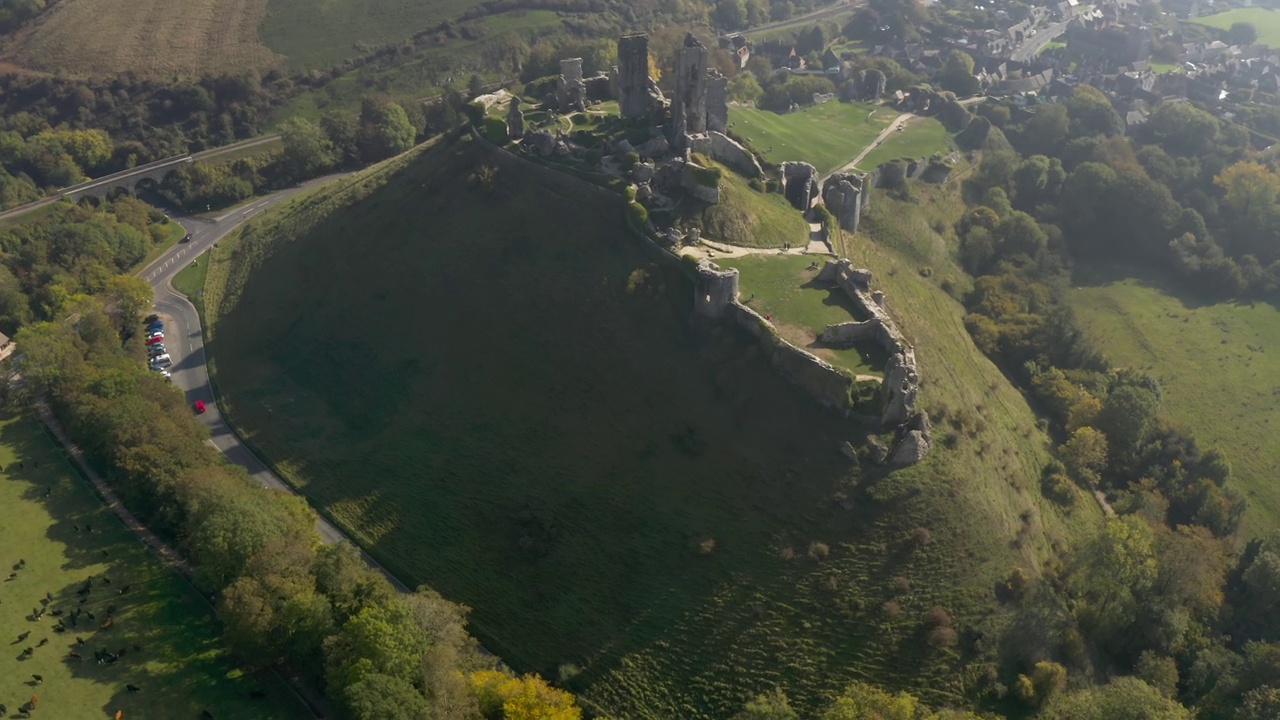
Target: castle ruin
{"x":571,"y":90}
{"x":633,"y":76}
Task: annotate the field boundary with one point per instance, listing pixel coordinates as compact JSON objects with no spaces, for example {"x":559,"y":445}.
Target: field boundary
{"x":169,"y":557}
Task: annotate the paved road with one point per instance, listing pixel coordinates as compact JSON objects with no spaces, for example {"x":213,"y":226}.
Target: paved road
{"x":184,"y":342}
{"x":1030,"y":48}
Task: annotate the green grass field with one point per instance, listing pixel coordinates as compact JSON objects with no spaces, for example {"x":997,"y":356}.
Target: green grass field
{"x":181,"y":667}
{"x":920,"y":138}
{"x":779,"y":286}
{"x":827,"y":135}
{"x":312,"y":35}
{"x":1266,"y":20}
{"x":522,"y":419}
{"x":1219,"y":366}
{"x":423,"y":74}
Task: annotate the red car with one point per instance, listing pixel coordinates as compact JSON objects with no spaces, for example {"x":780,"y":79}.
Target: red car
{"x":155,"y":338}
{"x":199,"y":407}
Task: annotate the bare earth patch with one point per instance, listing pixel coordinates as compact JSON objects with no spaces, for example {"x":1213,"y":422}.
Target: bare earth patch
{"x":156,"y":38}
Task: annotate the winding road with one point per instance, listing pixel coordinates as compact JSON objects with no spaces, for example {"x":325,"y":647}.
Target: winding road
{"x":184,"y":341}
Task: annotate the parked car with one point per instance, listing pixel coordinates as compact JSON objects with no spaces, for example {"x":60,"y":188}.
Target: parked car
{"x":150,"y":319}
{"x":156,"y":326}
{"x":186,"y":238}
{"x":157,"y":349}
{"x":155,"y":337}
{"x":165,"y":374}
{"x":161,"y":362}
{"x":199,"y":406}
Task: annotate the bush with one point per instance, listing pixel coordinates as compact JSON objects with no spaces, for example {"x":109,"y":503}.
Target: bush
{"x":630,"y":160}
{"x":705,"y":176}
{"x":637,"y":216}
{"x":920,"y":537}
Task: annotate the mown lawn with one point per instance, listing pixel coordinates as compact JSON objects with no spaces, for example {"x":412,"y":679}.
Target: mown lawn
{"x":1266,"y":20}
{"x":1219,"y":366}
{"x":920,"y":138}
{"x":549,"y":442}
{"x":780,"y":286}
{"x":827,"y":135}
{"x":54,"y":521}
{"x":752,"y":218}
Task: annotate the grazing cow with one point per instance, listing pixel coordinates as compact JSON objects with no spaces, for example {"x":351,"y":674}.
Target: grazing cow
{"x":90,"y":616}
{"x":21,"y":563}
{"x":119,"y":714}
{"x":43,"y":642}
{"x":132,"y":688}
{"x":76,"y":656}
{"x":111,"y":609}
{"x":59,"y":627}
{"x":38,"y":678}
{"x":24,"y":636}
{"x":107,"y":625}
{"x":12,"y":576}
{"x":4,"y":709}
{"x":56,"y":613}
{"x":80,"y":642}
{"x":106,"y":580}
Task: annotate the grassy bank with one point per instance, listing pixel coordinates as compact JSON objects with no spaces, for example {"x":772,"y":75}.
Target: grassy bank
{"x":920,"y":138}
{"x":827,"y":135}
{"x":54,"y":522}
{"x":1219,"y":366}
{"x":549,"y":442}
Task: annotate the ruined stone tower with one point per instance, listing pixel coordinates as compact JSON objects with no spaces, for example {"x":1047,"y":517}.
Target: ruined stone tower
{"x":633,"y":75}
{"x":571,"y":91}
{"x":717,"y":101}
{"x":689,"y":106}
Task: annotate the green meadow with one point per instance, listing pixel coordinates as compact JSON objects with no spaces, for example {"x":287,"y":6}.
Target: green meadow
{"x":827,"y":135}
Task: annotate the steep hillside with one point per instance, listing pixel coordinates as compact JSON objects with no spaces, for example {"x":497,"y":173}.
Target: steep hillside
{"x":477,"y":373}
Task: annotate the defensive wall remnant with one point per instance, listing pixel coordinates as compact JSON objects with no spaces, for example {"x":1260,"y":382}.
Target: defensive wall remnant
{"x":716,"y":300}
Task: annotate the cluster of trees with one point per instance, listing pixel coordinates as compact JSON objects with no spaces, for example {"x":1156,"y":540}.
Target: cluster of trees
{"x":1158,"y":599}
{"x":1184,"y":193}
{"x":282,"y":596}
{"x":383,"y":129}
{"x":75,"y":250}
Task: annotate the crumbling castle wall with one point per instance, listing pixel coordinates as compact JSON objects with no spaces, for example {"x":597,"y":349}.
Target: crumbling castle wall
{"x":717,"y":101}
{"x":571,"y":90}
{"x":724,"y":149}
{"x":901,"y":378}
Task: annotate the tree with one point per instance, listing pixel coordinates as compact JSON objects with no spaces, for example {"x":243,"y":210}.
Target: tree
{"x":523,"y":698}
{"x":1251,"y":191}
{"x":129,"y":296}
{"x":1242,"y":33}
{"x":1045,"y":133}
{"x":380,"y":639}
{"x":382,"y":697}
{"x":1085,"y":455}
{"x":1090,"y":113}
{"x":744,"y":88}
{"x":1111,"y":571}
{"x":866,"y":702}
{"x":1158,"y":671}
{"x":308,"y":150}
{"x":1020,"y":234}
{"x":1182,"y":128}
{"x":768,"y":706}
{"x":957,"y":74}
{"x":1126,"y":417}
{"x":385,"y":130}
{"x":1124,"y":698}
{"x":730,"y":14}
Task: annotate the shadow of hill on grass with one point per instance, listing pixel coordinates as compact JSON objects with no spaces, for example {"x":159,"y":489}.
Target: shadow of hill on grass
{"x":496,"y":391}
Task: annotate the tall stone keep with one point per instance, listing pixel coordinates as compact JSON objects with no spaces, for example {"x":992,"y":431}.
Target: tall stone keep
{"x":571,"y":91}
{"x":633,"y":75}
{"x":689,"y":106}
{"x":717,"y":101}
{"x":515,"y":119}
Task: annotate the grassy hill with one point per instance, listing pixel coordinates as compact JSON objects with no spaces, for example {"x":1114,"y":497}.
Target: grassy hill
{"x":496,"y":391}
{"x":149,"y":37}
{"x":920,"y":138}
{"x":1219,"y":366}
{"x":1266,"y":20}
{"x":54,"y":522}
{"x":747,"y":217}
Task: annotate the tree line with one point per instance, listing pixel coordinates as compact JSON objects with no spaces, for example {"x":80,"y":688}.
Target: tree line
{"x":1159,"y":600}
{"x":282,"y":596}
